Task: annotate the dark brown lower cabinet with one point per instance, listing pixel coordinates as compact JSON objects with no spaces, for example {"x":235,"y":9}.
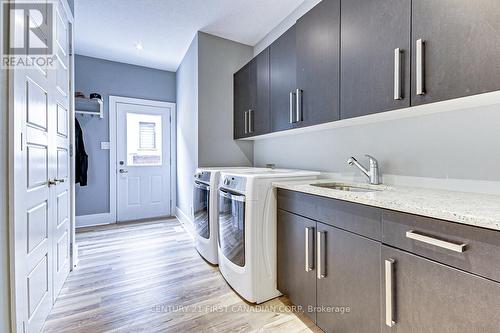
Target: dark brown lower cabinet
{"x":348,"y":281}
{"x":334,"y":272}
{"x":294,"y":280}
{"x":420,"y":295}
{"x":348,"y":286}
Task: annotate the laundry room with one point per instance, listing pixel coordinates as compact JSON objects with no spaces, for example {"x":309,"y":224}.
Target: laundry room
{"x":250,"y":166}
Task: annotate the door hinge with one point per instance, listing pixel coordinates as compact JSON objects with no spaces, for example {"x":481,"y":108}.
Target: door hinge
{"x":21,"y":141}
{"x":71,"y":150}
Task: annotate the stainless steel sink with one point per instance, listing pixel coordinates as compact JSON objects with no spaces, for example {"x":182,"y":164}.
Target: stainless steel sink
{"x":345,"y":187}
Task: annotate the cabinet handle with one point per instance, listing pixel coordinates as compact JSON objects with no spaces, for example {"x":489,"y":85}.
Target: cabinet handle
{"x":250,"y":121}
{"x":309,"y":254}
{"x":298,"y":96}
{"x":389,"y":293}
{"x":320,"y":241}
{"x":246,"y":122}
{"x":291,"y":107}
{"x":420,"y":66}
{"x":412,"y":234}
{"x":397,"y":74}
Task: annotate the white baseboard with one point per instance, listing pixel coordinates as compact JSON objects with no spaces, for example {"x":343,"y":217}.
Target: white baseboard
{"x":185,"y":220}
{"x":94,"y":220}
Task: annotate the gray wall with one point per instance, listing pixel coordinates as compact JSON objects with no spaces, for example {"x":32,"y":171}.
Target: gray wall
{"x":459,"y":145}
{"x":111,"y":78}
{"x":4,"y":217}
{"x":205,"y":111}
{"x":187,"y":126}
{"x":218,"y":60}
{"x":451,"y":145}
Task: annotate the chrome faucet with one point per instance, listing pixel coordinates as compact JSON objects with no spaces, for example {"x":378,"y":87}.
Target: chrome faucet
{"x":372,"y":173}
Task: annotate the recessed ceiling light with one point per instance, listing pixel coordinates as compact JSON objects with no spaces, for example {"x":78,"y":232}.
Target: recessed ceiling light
{"x":138,"y":46}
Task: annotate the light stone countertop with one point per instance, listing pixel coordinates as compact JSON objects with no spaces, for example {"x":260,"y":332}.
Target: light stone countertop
{"x":481,"y":210}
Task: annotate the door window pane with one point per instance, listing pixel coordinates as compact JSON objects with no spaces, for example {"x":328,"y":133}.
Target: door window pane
{"x":147,"y":136}
{"x":144,"y":140}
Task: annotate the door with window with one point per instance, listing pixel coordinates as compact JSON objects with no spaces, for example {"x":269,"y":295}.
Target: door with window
{"x":143,"y":161}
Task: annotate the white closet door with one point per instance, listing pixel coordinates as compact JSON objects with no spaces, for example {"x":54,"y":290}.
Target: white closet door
{"x":40,"y":181}
{"x":61,"y":225}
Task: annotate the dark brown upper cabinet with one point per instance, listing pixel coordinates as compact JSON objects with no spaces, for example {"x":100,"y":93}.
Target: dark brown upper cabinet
{"x":375,"y":53}
{"x":317,"y":47}
{"x":260,"y":118}
{"x":251,"y":98}
{"x":350,"y":58}
{"x":283,"y":81}
{"x":242,"y":101}
{"x":456,"y":48}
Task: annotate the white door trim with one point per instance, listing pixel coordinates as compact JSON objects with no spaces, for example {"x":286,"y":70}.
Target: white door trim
{"x":113,"y":101}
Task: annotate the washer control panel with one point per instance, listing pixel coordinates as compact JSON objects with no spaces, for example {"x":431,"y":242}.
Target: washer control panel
{"x":233,"y":183}
{"x":203,"y":176}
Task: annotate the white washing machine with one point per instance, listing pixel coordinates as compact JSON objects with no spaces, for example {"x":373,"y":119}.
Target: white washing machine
{"x":247,"y":230}
{"x":205,"y":209}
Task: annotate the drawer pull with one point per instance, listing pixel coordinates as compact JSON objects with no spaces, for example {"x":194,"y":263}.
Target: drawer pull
{"x":397,"y":74}
{"x":309,"y":260}
{"x":320,"y":241}
{"x":389,"y":293}
{"x":420,"y":67}
{"x":412,"y":234}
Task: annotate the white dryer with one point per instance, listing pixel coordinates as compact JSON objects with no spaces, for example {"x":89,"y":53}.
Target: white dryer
{"x":247,"y":230}
{"x":205,"y":210}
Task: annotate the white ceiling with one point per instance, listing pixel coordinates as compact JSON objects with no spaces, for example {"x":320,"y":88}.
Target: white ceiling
{"x":110,"y":29}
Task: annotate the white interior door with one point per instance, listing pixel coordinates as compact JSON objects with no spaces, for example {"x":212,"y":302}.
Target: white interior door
{"x":40,"y":188}
{"x":62,"y":234}
{"x":143,"y":161}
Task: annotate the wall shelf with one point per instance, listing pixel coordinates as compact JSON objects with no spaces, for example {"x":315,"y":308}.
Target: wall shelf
{"x":89,"y":107}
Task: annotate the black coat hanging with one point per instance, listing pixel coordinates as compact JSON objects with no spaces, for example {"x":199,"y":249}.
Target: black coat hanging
{"x":81,"y":157}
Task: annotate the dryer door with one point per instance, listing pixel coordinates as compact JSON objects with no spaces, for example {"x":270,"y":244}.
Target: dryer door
{"x":232,"y":226}
{"x":201,"y":197}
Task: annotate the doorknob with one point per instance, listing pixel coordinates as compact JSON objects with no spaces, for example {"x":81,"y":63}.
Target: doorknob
{"x":55,"y":182}
{"x":123,"y":171}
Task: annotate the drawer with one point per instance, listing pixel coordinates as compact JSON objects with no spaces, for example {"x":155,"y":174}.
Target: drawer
{"x":360,"y":219}
{"x":472,"y":249}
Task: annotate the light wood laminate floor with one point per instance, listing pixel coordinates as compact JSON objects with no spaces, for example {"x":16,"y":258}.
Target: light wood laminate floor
{"x":148,"y":277}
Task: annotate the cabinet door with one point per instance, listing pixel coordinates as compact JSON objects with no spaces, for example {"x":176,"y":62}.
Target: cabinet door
{"x":241,"y":101}
{"x":260,"y":118}
{"x":461,"y":48}
{"x":293,"y":279}
{"x":374,"y":76}
{"x":434,"y":298}
{"x":245,"y":99}
{"x":318,"y":43}
{"x":283,"y":80}
{"x":348,"y":286}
